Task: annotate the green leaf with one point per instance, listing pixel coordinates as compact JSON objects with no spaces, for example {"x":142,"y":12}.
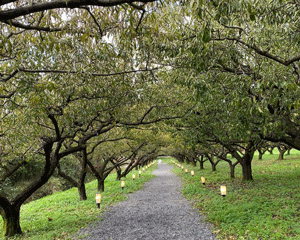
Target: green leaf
{"x":249,"y":8}
{"x":199,"y":13}
{"x":223,"y":20}
{"x":206,"y":35}
{"x":252,"y":16}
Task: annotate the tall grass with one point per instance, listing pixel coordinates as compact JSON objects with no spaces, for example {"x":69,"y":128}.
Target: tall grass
{"x":266,"y":208}
{"x":60,"y":215}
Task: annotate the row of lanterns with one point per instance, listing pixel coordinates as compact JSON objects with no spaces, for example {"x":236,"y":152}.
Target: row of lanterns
{"x":140,"y":173}
{"x":98,"y":195}
{"x":222,"y":188}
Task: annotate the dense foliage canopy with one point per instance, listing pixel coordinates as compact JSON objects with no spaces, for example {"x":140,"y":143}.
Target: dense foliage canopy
{"x":108,"y":78}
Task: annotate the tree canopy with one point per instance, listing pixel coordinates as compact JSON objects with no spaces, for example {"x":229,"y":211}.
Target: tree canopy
{"x":193,"y":78}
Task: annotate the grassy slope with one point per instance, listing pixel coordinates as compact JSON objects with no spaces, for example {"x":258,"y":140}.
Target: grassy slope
{"x":266,"y":208}
{"x":67,"y":214}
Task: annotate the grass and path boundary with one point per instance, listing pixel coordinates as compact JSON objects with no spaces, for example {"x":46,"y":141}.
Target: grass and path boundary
{"x":266,"y":208}
{"x":60,"y":215}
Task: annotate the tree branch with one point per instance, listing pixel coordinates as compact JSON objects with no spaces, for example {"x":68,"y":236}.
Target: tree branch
{"x":264,"y":53}
{"x":25,"y":10}
{"x":29,"y":27}
{"x":94,"y":74}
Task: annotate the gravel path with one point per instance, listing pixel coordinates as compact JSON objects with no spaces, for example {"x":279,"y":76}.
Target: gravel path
{"x":159,"y":211}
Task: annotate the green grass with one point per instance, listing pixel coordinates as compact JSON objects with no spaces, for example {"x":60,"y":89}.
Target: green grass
{"x":266,"y":208}
{"x":68,"y":214}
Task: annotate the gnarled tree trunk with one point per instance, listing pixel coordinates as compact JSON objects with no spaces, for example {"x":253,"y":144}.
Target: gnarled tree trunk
{"x":11,"y":220}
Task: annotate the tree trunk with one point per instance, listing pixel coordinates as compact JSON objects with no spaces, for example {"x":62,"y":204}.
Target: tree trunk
{"x":81,"y":183}
{"x":232,"y":168}
{"x":247,"y":172}
{"x":244,"y":160}
{"x":11,"y":212}
{"x":100,"y":185}
{"x":271,"y":151}
{"x":213,"y":167}
{"x":281,"y":154}
{"x":213,"y":164}
{"x":118,"y":175}
{"x":246,"y":167}
{"x":82,"y":191}
{"x":11,"y":220}
{"x":201,"y":161}
{"x":201,"y":165}
{"x":260,"y":154}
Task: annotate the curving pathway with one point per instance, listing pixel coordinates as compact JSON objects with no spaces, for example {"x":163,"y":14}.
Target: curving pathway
{"x":158,"y":212}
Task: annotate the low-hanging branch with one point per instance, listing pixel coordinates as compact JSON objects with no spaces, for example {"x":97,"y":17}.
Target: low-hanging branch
{"x":58,"y":4}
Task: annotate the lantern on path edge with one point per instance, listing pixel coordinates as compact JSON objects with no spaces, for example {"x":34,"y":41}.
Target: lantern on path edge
{"x":122,"y":184}
{"x":98,"y":199}
{"x":203,"y":180}
{"x":223,"y":190}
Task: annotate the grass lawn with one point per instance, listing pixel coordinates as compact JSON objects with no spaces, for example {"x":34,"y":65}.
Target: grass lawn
{"x":60,"y":215}
{"x":266,"y":208}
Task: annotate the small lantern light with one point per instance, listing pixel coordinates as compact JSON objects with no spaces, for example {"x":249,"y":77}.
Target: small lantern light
{"x":182,"y":168}
{"x":223,"y":190}
{"x":143,"y":169}
{"x":140,"y":172}
{"x":122,"y":184}
{"x":98,"y":199}
{"x":133,"y":176}
{"x":203,"y":180}
{"x":192,"y":173}
{"x":186,"y":170}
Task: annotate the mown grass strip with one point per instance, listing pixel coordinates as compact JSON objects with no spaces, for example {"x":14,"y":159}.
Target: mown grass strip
{"x":266,"y":208}
{"x":61,"y":215}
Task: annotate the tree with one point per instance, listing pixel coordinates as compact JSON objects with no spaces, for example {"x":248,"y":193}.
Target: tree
{"x":282,"y":148}
{"x":244,"y":53}
{"x":64,"y":95}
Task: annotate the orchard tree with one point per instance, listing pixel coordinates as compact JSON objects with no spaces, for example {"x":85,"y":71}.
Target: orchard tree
{"x":68,"y":92}
{"x":256,"y":44}
{"x":240,"y":59}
